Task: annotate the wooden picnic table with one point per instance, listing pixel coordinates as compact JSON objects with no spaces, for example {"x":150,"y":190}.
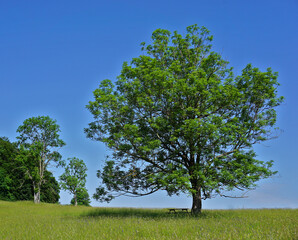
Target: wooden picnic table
{"x":176,"y":210}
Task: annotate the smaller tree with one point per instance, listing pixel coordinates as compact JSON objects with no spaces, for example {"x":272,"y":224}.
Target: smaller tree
{"x":82,"y":198}
{"x":73,"y":179}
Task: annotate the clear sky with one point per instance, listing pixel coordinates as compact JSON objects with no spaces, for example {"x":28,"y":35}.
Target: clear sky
{"x":53,"y":54}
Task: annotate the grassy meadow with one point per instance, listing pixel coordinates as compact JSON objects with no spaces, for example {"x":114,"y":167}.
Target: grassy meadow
{"x":25,"y":220}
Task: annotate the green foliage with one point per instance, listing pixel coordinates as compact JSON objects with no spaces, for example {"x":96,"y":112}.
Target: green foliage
{"x":38,"y":139}
{"x":14,"y":182}
{"x":82,"y":197}
{"x":40,"y":129}
{"x":8,"y":151}
{"x":74,"y":179}
{"x":179,"y":120}
{"x":50,"y":189}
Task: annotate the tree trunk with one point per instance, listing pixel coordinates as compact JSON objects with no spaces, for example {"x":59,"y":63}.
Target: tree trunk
{"x":196,"y":202}
{"x":75,"y":199}
{"x":36,"y":194}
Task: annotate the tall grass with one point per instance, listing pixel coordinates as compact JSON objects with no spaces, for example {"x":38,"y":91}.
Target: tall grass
{"x":25,"y":220}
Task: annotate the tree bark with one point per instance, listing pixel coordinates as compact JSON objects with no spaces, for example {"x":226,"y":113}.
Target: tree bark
{"x":196,"y":202}
{"x":36,"y":194}
{"x":75,"y":199}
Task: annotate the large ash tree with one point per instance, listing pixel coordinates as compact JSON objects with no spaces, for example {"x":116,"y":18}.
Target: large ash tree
{"x":179,"y":120}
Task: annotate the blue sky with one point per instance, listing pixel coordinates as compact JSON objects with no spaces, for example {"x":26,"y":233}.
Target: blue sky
{"x":53,"y":54}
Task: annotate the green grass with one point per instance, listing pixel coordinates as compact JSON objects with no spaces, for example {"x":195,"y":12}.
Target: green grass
{"x":25,"y":220}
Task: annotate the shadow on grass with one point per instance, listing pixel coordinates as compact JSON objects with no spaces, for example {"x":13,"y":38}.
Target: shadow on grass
{"x":146,"y":213}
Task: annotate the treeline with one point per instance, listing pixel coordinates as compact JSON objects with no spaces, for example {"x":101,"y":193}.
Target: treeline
{"x":24,"y":173}
{"x":14,"y":182}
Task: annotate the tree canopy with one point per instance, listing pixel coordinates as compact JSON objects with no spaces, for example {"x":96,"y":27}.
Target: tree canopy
{"x":179,"y":120}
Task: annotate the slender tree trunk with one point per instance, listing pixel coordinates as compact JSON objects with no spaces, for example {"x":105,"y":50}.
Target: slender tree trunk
{"x":36,"y":190}
{"x":196,"y":202}
{"x":75,"y":199}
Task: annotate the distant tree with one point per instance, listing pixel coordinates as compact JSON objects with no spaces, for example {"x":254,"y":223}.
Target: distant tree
{"x":180,"y":121}
{"x":39,"y":141}
{"x":82,"y":198}
{"x":74,"y":179}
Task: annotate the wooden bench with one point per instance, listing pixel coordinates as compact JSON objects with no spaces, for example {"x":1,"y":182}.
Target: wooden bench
{"x":177,"y":210}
